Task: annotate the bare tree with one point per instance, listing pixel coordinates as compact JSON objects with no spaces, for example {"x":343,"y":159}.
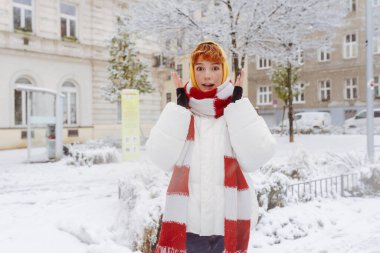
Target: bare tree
{"x":244,"y":27}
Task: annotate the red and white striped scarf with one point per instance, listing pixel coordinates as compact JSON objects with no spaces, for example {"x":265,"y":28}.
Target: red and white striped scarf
{"x":237,"y":198}
{"x":209,"y":103}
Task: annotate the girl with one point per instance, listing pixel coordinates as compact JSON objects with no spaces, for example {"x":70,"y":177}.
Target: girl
{"x":207,"y":140}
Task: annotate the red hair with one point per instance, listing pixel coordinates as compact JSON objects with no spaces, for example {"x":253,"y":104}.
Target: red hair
{"x":209,"y":51}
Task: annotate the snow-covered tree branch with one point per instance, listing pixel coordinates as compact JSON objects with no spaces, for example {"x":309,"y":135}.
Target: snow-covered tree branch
{"x":275,"y":29}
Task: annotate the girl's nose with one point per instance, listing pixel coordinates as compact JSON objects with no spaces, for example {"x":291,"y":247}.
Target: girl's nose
{"x":207,"y":74}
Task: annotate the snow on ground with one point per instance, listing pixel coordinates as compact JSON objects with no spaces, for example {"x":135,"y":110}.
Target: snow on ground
{"x":53,"y":207}
{"x":343,"y":225}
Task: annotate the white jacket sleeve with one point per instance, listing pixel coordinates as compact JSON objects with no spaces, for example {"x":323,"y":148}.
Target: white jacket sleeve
{"x":250,"y":137}
{"x":168,"y":136}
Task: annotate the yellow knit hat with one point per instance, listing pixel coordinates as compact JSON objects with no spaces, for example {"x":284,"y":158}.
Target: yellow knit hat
{"x":224,"y":63}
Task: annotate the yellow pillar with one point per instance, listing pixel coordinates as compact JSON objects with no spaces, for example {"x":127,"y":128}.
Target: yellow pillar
{"x":130,"y":124}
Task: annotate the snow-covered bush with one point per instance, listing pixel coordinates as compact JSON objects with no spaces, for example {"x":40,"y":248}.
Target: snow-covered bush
{"x":142,"y":198}
{"x":91,"y":153}
{"x":273,"y":182}
{"x":370,"y":180}
{"x":271,"y":193}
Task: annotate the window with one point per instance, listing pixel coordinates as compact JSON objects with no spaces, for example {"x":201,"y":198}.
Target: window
{"x":361,"y":115}
{"x":72,"y":133}
{"x":351,"y":5}
{"x":299,"y":91}
{"x":376,"y":45}
{"x":264,"y":95}
{"x":180,"y":42}
{"x":70,"y":110}
{"x":68,"y":20}
{"x":179,"y":70}
{"x":168,"y":44}
{"x":377,"y":83}
{"x":22,"y":15}
{"x":168,"y":97}
{"x":300,"y":56}
{"x":350,"y":46}
{"x":325,"y":90}
{"x":349,"y":113}
{"x":263,"y":63}
{"x":324,"y":54}
{"x":21,"y":103}
{"x":351,"y":88}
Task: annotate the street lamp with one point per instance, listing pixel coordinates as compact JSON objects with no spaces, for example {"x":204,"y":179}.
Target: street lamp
{"x":370,"y":81}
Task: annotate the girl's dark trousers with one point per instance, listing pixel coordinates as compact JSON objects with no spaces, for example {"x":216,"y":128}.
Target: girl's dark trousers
{"x":204,"y":244}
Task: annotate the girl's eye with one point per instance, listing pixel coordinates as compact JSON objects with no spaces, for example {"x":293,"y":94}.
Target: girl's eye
{"x":199,"y":68}
{"x":215,"y":68}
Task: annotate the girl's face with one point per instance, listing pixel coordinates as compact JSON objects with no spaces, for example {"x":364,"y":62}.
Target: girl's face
{"x":208,"y":75}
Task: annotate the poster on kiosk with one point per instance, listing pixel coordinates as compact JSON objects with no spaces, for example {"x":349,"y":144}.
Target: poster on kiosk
{"x":130,"y":124}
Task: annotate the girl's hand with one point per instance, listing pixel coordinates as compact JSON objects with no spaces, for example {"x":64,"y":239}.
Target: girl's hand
{"x":239,"y":79}
{"x":177,"y":80}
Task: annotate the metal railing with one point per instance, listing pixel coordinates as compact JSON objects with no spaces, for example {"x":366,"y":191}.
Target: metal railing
{"x":324,"y":187}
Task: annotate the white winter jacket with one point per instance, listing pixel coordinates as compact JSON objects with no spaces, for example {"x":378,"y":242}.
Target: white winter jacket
{"x":250,"y":138}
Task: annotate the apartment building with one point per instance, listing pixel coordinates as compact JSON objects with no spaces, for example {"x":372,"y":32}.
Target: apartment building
{"x":334,"y":79}
{"x":61,"y":45}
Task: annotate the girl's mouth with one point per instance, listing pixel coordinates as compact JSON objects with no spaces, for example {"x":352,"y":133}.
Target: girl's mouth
{"x":208,"y":85}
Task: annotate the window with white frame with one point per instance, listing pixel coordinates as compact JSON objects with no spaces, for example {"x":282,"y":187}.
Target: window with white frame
{"x":351,"y":88}
{"x":180,"y":42}
{"x":350,"y":46}
{"x":264,"y":95}
{"x":168,"y":44}
{"x":168,"y":97}
{"x":70,"y":104}
{"x":263,"y":63}
{"x":325,"y":90}
{"x":179,"y":70}
{"x":21,"y":103}
{"x":68,"y":20}
{"x":377,"y":83}
{"x":324,"y":54}
{"x":300,"y":56}
{"x":351,"y":4}
{"x":23,"y":15}
{"x":299,"y":91}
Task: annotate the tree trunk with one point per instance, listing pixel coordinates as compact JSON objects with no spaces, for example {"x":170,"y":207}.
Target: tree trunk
{"x":235,"y":56}
{"x":242,"y":61}
{"x":290,"y":111}
{"x":283,"y":117}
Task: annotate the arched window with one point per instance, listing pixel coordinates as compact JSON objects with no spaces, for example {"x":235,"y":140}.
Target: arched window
{"x":70,"y":105}
{"x":21,"y":102}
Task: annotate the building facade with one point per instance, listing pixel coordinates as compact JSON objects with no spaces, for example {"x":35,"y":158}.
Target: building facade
{"x":334,"y":79}
{"x":61,"y":45}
